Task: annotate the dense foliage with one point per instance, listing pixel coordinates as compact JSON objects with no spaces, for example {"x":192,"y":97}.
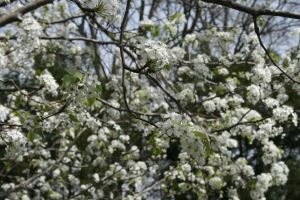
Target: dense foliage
{"x":149,"y":99}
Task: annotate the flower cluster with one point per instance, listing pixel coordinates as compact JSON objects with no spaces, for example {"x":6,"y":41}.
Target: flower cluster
{"x":261,"y":75}
{"x":81,"y":87}
{"x":281,"y":114}
{"x":107,"y":9}
{"x":215,"y":183}
{"x":271,"y":153}
{"x":29,"y":37}
{"x":267,"y":130}
{"x":177,"y":54}
{"x":255,"y":93}
{"x":190,"y":38}
{"x":3,"y":57}
{"x":264,"y":181}
{"x":279,"y":172}
{"x":169,"y":26}
{"x":146,"y":23}
{"x":48,"y":83}
{"x":200,"y":66}
{"x":16,"y":142}
{"x":194,"y":139}
{"x":236,"y":96}
{"x":4,"y":111}
{"x":154,"y":53}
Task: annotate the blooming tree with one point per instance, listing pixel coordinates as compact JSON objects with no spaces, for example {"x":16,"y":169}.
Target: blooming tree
{"x":146,"y":99}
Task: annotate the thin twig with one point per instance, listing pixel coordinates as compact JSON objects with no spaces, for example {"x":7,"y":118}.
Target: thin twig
{"x":12,"y":81}
{"x":256,"y":28}
{"x":254,"y":11}
{"x":63,"y":20}
{"x":120,"y":109}
{"x":30,"y":180}
{"x":124,"y":65}
{"x":151,"y":187}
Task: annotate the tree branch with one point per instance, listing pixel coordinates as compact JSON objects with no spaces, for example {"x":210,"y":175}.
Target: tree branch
{"x":17,"y":15}
{"x":124,"y":65}
{"x":151,"y":187}
{"x":63,"y":20}
{"x":3,"y":3}
{"x":22,"y":88}
{"x":18,"y":89}
{"x":30,"y":180}
{"x":120,"y":109}
{"x":256,"y":28}
{"x":254,"y":11}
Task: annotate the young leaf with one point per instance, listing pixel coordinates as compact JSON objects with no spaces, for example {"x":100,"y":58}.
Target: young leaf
{"x":155,"y":31}
{"x":38,"y":72}
{"x":73,"y":118}
{"x":17,"y":102}
{"x":75,"y":73}
{"x":205,"y":140}
{"x":31,"y":135}
{"x":177,"y":15}
{"x":99,"y":88}
{"x":90,"y":101}
{"x":40,"y":132}
{"x":157,"y":151}
{"x":167,"y":67}
{"x":69,"y":80}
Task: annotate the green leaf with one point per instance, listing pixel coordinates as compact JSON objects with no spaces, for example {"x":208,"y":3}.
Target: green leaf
{"x":18,"y":102}
{"x":90,"y":101}
{"x":275,"y":57}
{"x":261,"y":21}
{"x":205,"y":140}
{"x":156,"y":151}
{"x":285,"y":63}
{"x":40,"y":132}
{"x":75,"y":73}
{"x":73,"y":118}
{"x":155,"y":31}
{"x":152,"y":139}
{"x":38,"y":72}
{"x":36,"y":119}
{"x":127,"y":75}
{"x":24,"y":102}
{"x":99,"y":88}
{"x":252,"y":182}
{"x":69,"y":80}
{"x":168,"y":67}
{"x":112,"y":35}
{"x":177,"y":15}
{"x":31,"y":136}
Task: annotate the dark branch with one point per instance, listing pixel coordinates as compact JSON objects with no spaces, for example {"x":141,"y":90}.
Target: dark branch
{"x":256,"y":28}
{"x":22,"y":88}
{"x":17,"y":15}
{"x":254,"y":11}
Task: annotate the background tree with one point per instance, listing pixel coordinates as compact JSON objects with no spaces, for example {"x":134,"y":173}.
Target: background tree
{"x":149,"y":99}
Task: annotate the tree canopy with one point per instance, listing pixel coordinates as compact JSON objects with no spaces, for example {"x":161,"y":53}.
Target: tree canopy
{"x":139,"y":99}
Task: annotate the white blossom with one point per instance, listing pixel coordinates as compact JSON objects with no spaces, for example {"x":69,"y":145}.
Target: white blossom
{"x":279,"y":172}
{"x":4,"y":111}
{"x":255,"y":93}
{"x":146,"y":23}
{"x":216,"y":183}
{"x":154,"y":52}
